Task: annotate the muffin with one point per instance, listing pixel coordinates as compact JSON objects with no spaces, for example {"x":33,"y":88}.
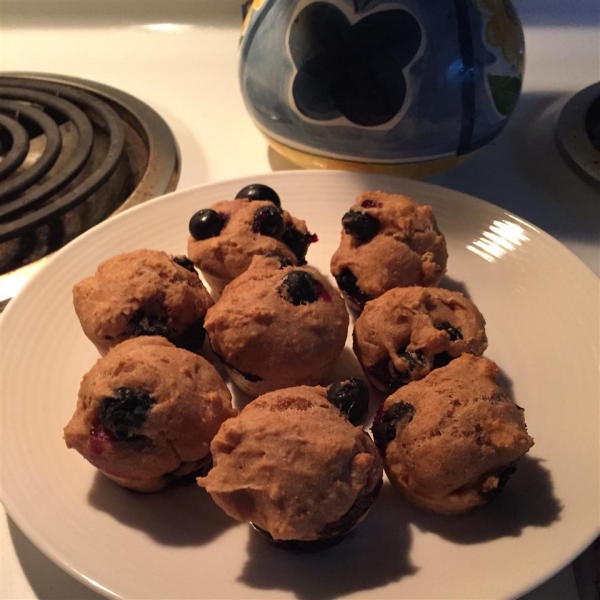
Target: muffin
{"x":451,"y":441}
{"x":277,"y":325}
{"x":144,"y":292}
{"x":296,"y":468}
{"x":147,"y":412}
{"x":405,"y":333}
{"x":388,"y":241}
{"x":224,"y":238}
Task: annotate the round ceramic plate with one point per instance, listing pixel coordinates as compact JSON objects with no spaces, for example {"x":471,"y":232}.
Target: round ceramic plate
{"x":541,"y":305}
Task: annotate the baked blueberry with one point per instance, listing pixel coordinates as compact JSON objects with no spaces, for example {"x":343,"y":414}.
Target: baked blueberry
{"x":453,"y":333}
{"x":268,"y":221}
{"x":346,"y":281}
{"x":125,"y":412}
{"x":384,"y":425}
{"x":360,"y":225}
{"x":351,"y":397}
{"x":298,"y":242}
{"x":185,"y":262}
{"x":258,"y":191}
{"x":151,"y":321}
{"x":206,"y":223}
{"x":300,"y":287}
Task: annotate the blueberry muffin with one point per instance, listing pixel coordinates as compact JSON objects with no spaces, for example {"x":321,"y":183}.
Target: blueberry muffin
{"x":296,"y":468}
{"x":405,"y":333}
{"x":224,"y":238}
{"x":451,"y":441}
{"x":277,"y":325}
{"x":388,"y":241}
{"x":147,"y":412}
{"x":144,"y":292}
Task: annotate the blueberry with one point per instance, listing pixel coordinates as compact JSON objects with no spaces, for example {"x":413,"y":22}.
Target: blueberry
{"x":206,"y":223}
{"x":361,"y":226}
{"x":300,"y":287}
{"x":297,"y":242}
{"x":268,"y":221}
{"x":414,"y":359}
{"x":351,"y":397}
{"x":284,"y":261}
{"x":347,"y":282}
{"x":258,"y":191}
{"x":386,"y":421}
{"x":148,"y":322}
{"x":185,"y":262}
{"x":453,"y":333}
{"x":124,"y":413}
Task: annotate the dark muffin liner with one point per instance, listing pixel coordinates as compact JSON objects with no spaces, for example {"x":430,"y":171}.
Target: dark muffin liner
{"x":333,"y":533}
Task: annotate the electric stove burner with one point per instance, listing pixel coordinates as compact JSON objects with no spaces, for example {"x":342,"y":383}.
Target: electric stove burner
{"x":72,"y":152}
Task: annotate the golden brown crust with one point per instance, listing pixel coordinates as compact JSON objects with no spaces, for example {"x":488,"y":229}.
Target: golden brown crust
{"x":191,"y":403}
{"x":291,"y":464}
{"x":450,"y":452}
{"x":408,"y":249}
{"x":142,"y":280}
{"x":258,"y":333}
{"x":415,"y":320}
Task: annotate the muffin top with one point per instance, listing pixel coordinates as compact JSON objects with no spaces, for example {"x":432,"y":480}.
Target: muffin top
{"x":144,"y":292}
{"x":388,"y":241}
{"x":241,"y":229}
{"x":449,"y":438}
{"x":276,"y":321}
{"x":291,"y":464}
{"x":146,"y":407}
{"x":405,"y":333}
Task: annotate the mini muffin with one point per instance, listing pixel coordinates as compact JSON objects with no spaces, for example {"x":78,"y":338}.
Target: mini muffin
{"x":404,"y":334}
{"x":147,"y":412}
{"x":224,"y":238}
{"x":277,"y":326}
{"x":296,"y":468}
{"x":451,"y":441}
{"x":144,"y":292}
{"x":387,"y":241}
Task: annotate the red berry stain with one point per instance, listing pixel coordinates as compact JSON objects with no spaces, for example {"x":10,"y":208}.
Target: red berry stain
{"x":100,"y":437}
{"x":313,"y":238}
{"x":325,"y":295}
{"x":371,"y":204}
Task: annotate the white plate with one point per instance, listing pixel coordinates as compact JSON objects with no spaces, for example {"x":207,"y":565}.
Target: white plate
{"x":541,"y":305}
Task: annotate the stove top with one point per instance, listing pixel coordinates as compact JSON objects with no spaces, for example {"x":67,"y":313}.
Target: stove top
{"x":72,"y":153}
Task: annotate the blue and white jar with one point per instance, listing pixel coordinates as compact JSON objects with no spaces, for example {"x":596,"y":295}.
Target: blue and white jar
{"x":380,"y":82}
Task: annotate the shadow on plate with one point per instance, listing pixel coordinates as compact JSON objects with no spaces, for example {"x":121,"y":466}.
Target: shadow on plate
{"x":454,"y":286}
{"x":184,"y":516}
{"x":374,"y":555}
{"x":527,"y":501}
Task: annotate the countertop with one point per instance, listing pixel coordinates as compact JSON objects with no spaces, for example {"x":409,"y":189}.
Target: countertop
{"x":187,"y":72}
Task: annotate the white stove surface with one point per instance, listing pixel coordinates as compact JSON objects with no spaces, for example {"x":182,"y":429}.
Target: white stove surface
{"x":181,"y":58}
